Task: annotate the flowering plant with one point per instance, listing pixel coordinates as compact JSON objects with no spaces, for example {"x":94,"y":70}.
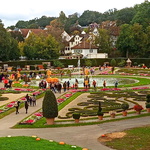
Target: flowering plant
{"x":137,"y":107}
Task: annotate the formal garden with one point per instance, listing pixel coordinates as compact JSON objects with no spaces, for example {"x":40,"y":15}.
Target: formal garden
{"x":85,"y":106}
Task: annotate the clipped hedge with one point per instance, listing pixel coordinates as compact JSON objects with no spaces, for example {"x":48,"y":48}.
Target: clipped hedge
{"x":66,"y":62}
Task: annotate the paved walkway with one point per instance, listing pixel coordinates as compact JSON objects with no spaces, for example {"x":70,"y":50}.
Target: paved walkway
{"x":84,"y":136}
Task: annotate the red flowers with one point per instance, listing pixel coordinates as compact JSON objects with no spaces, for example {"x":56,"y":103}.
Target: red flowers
{"x":137,"y":107}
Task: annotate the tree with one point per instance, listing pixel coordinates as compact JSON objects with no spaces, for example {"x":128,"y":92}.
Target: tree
{"x":8,"y":46}
{"x":62,"y":18}
{"x":125,"y":40}
{"x":125,"y":16}
{"x":49,"y":106}
{"x":41,"y":47}
{"x":132,"y":41}
{"x":142,"y":15}
{"x":103,"y":41}
{"x":14,"y":50}
{"x":17,"y":35}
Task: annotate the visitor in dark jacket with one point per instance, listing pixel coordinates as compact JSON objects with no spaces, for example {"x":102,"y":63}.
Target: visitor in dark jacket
{"x":26,"y":105}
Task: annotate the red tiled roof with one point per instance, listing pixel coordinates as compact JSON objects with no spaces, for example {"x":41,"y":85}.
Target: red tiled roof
{"x":84,"y":45}
{"x":24,"y":32}
{"x":35,"y":31}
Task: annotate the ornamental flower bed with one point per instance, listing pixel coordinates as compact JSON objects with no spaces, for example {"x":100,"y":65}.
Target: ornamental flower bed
{"x":2,"y":89}
{"x":32,"y":119}
{"x":24,"y":90}
{"x":140,"y":88}
{"x":142,"y":74}
{"x":110,"y":89}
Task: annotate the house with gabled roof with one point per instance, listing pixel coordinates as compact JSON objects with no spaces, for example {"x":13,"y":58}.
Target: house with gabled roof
{"x":27,"y":32}
{"x":80,"y":44}
{"x":88,"y":50}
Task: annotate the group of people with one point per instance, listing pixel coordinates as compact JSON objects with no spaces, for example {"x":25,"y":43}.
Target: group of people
{"x":56,"y":87}
{"x":43,"y":84}
{"x":30,"y":101}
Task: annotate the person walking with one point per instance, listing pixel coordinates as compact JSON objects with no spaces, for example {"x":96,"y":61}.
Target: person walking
{"x":64,"y":86}
{"x":30,"y":100}
{"x":27,"y":97}
{"x":94,"y":84}
{"x":104,"y":84}
{"x":59,"y":87}
{"x":116,"y":84}
{"x":68,"y":85}
{"x":26,"y":105}
{"x":16,"y":105}
{"x":33,"y":100}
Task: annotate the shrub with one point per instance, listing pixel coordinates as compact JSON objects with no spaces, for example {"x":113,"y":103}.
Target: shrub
{"x":147,"y":105}
{"x":125,"y":106}
{"x":99,"y":113}
{"x":148,"y":98}
{"x":76,"y":115}
{"x":113,"y":62}
{"x":122,"y":63}
{"x":50,"y":108}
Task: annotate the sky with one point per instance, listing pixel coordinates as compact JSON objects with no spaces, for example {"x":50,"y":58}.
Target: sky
{"x":11,"y":11}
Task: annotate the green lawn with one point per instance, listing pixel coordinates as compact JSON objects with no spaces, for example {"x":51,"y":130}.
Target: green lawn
{"x":30,"y":143}
{"x":135,"y":139}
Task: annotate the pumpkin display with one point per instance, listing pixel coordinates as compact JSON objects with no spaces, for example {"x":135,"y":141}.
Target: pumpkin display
{"x":38,"y":139}
{"x":84,"y":149}
{"x":61,"y":143}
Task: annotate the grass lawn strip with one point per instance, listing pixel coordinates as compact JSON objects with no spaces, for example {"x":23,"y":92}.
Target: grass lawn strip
{"x":135,"y":139}
{"x":33,"y":143}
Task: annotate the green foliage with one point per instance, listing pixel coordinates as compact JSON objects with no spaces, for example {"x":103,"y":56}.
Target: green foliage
{"x":147,"y":105}
{"x":148,"y":98}
{"x":122,"y":15}
{"x":49,"y":106}
{"x":103,"y":41}
{"x":125,"y":106}
{"x":41,"y":47}
{"x":45,"y":66}
{"x":113,"y":62}
{"x":99,"y":113}
{"x":8,"y":46}
{"x":76,"y":115}
{"x":142,"y":14}
{"x":122,"y":63}
{"x":58,"y":63}
{"x":88,"y":63}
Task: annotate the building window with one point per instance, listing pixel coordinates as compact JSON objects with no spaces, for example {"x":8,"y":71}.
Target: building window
{"x":90,"y":50}
{"x":78,"y":51}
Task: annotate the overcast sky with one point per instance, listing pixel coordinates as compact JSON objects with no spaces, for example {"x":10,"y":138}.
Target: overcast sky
{"x":12,"y":11}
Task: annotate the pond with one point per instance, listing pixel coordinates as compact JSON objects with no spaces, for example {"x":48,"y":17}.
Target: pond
{"x":109,"y":81}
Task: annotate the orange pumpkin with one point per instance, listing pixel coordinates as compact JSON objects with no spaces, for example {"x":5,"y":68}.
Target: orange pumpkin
{"x":61,"y":143}
{"x":103,"y":135}
{"x":84,"y":149}
{"x":38,"y":139}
